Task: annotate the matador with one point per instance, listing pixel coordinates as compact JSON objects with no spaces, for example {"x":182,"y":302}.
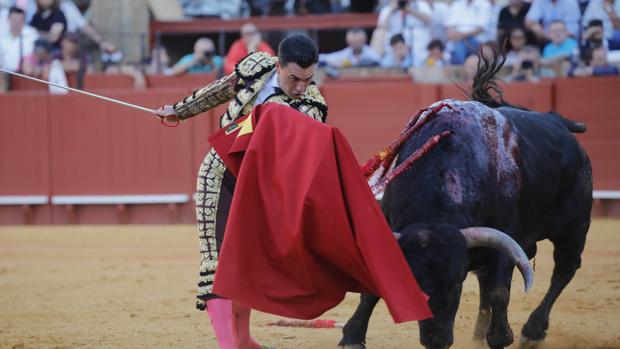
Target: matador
{"x":258,"y":78}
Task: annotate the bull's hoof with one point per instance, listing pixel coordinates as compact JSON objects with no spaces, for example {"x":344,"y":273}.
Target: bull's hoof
{"x":352,"y":346}
{"x":501,"y":339}
{"x":534,"y":331}
{"x":526,"y":343}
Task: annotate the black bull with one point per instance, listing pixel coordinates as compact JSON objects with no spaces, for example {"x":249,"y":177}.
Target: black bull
{"x":517,"y":171}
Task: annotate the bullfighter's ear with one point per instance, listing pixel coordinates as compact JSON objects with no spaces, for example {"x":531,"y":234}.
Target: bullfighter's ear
{"x":396,"y":235}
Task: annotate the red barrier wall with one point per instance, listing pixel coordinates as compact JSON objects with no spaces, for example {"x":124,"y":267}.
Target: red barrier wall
{"x":597,"y":103}
{"x":371,"y":117}
{"x":24,"y":153}
{"x":74,"y":145}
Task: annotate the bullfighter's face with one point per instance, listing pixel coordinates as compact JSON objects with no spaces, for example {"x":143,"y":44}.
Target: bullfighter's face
{"x":293,"y":79}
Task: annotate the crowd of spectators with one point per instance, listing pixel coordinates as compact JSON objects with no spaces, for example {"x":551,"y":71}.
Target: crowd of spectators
{"x":544,"y":38}
{"x":540,"y":39}
{"x":48,"y":39}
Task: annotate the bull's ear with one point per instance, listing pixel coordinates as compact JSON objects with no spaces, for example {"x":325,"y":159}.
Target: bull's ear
{"x":396,"y":235}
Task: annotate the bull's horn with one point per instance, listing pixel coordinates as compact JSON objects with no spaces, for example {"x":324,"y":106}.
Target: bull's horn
{"x":493,"y":238}
{"x":396,"y":235}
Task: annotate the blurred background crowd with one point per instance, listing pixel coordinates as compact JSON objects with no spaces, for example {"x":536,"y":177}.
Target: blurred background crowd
{"x":433,"y":40}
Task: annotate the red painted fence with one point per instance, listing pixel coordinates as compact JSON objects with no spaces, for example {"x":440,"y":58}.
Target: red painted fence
{"x":73,"y":145}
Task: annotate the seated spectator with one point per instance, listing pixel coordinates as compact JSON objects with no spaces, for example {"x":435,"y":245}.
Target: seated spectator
{"x":202,"y":60}
{"x":38,"y":63}
{"x":597,"y":65}
{"x":529,"y":57}
{"x":50,"y":21}
{"x":159,"y":62}
{"x":466,"y":25}
{"x":527,"y":67}
{"x":399,"y":55}
{"x":250,"y":41}
{"x":415,"y":20}
{"x":356,"y":54}
{"x":562,"y":46}
{"x":591,"y":38}
{"x":608,"y":12}
{"x":516,"y":42}
{"x":17,"y":42}
{"x":70,"y":56}
{"x":544,"y":12}
{"x":77,"y":23}
{"x":435,"y":56}
{"x":511,"y":17}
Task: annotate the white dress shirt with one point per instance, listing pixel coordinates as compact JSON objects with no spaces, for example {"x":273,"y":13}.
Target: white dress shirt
{"x":10,"y":47}
{"x":267,"y":90}
{"x":466,"y":16}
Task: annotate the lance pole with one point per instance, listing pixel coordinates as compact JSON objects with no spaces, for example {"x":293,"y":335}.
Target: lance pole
{"x":80,"y":91}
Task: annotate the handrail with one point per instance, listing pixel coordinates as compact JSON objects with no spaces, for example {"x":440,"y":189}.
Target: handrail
{"x":216,"y":25}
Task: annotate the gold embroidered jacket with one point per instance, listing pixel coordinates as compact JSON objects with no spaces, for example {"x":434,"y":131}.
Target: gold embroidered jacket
{"x":241,"y":89}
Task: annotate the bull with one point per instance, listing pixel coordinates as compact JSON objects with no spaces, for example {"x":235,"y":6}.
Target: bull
{"x":479,"y":201}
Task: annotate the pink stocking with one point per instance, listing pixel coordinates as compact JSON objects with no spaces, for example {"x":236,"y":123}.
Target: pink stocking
{"x":220,"y":313}
{"x":241,"y":327}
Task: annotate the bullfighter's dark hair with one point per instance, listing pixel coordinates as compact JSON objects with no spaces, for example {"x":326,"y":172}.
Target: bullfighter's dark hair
{"x":298,"y":49}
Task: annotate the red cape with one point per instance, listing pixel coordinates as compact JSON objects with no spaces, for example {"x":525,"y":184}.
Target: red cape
{"x":304,"y":227}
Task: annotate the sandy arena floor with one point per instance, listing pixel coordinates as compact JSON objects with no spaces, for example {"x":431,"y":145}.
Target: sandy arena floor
{"x":133,"y":287}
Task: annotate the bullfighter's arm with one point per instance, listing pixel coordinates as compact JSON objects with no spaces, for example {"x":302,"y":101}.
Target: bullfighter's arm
{"x":216,"y":93}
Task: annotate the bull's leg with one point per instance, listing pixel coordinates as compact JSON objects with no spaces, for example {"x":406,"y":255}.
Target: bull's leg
{"x":496,"y":281}
{"x":484,"y":311}
{"x":567,"y":259}
{"x":354,"y":332}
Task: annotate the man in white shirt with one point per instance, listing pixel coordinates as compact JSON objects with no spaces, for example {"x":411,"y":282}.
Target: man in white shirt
{"x":467,"y":24}
{"x":18,"y":41}
{"x":357,"y":54}
{"x":418,"y":21}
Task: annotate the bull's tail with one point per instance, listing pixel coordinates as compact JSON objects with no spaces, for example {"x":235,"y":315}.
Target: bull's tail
{"x":485,"y":88}
{"x":571,"y":125}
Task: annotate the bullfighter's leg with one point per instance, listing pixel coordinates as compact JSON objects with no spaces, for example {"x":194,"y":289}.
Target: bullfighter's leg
{"x":208,"y":186}
{"x":484,"y":310}
{"x":220,"y":314}
{"x":241,"y":327}
{"x":214,"y":187}
{"x":354,"y":332}
{"x":567,"y":259}
{"x":496,"y":282}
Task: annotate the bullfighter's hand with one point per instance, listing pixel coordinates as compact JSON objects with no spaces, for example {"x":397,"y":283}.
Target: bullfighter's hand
{"x":167,"y":112}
